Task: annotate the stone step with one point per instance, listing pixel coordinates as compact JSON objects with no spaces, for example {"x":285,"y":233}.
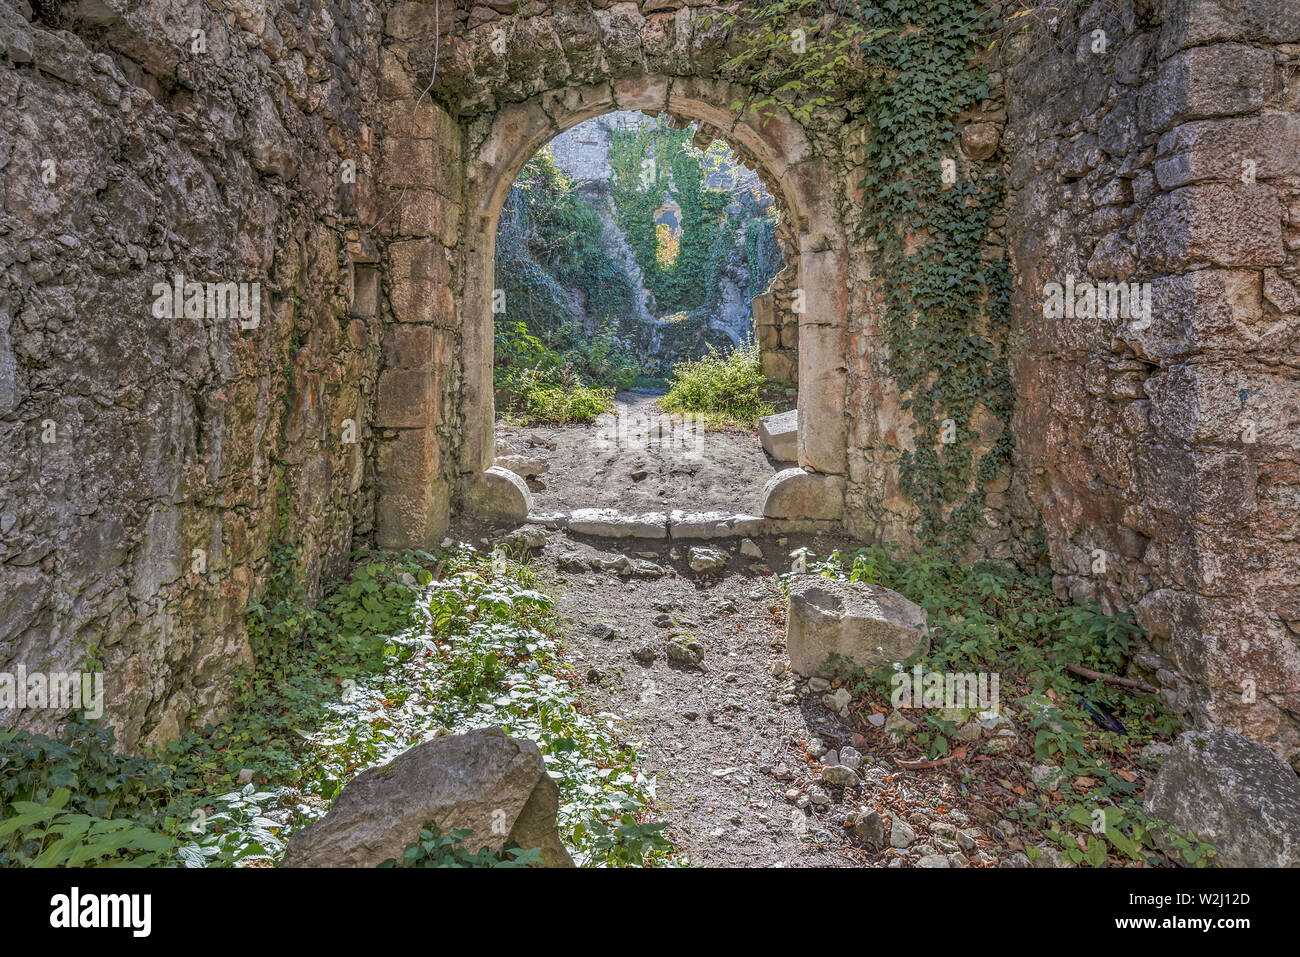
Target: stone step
{"x":677,"y":525}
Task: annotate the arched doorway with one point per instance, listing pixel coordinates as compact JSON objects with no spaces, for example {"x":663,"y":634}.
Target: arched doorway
{"x":779,"y":150}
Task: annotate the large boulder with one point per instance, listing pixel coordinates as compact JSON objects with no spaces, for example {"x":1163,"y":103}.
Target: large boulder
{"x":493,"y":785}
{"x":1233,"y":793}
{"x":868,"y":625}
{"x":780,"y":435}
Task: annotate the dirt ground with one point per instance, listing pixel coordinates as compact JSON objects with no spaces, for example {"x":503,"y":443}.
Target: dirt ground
{"x":640,"y":459}
{"x":737,"y":742}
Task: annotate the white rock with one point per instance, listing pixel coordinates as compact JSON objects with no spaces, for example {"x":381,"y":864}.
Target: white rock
{"x":867,"y":625}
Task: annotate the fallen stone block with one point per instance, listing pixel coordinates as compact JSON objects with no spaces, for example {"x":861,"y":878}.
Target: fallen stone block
{"x":868,"y":625}
{"x":497,"y":494}
{"x":1233,"y":793}
{"x":482,"y":781}
{"x":780,"y":435}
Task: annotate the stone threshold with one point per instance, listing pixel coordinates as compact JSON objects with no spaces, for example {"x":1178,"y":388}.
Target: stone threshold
{"x":677,"y":525}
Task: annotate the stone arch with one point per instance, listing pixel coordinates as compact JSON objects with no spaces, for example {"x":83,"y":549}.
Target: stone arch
{"x":779,"y":150}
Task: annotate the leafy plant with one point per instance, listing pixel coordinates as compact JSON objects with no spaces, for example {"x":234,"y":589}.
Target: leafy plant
{"x":725,"y":388}
{"x":48,"y":835}
{"x":435,"y":849}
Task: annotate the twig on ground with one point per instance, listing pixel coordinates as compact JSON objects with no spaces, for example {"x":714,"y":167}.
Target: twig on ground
{"x":1110,"y":679}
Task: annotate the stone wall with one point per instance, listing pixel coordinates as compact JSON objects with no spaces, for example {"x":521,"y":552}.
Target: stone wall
{"x":141,"y":458}
{"x":1160,"y":144}
{"x":148,"y":465}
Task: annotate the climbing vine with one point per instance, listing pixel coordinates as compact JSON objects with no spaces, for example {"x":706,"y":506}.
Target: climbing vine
{"x":653,"y":161}
{"x":902,"y":71}
{"x":761,"y":252}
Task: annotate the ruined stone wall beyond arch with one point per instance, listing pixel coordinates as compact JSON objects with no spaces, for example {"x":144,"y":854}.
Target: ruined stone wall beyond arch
{"x":509,"y":83}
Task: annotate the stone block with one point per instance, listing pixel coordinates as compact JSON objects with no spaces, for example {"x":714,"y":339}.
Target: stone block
{"x":1233,"y":793}
{"x":406,"y":399}
{"x":1225,"y":79}
{"x":780,"y":435}
{"x":796,"y":493}
{"x":1190,"y":23}
{"x":1217,"y":223}
{"x":1222,"y":150}
{"x":611,"y":523}
{"x":868,"y":625}
{"x":496,"y":494}
{"x":482,"y":781}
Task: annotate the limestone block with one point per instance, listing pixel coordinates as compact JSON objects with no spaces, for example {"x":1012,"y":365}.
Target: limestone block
{"x":780,"y":435}
{"x":496,"y":494}
{"x":795,"y":493}
{"x":1233,"y":793}
{"x":1220,"y":80}
{"x":1190,"y":23}
{"x":406,"y":399}
{"x":483,"y":781}
{"x":684,"y":525}
{"x":1220,"y":223}
{"x":869,"y":625}
{"x":1220,"y":150}
{"x":611,"y":523}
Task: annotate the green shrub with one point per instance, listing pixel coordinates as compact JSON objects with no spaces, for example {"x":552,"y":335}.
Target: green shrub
{"x":722,"y":388}
{"x":531,"y":395}
{"x":48,"y":835}
{"x":388,"y":656}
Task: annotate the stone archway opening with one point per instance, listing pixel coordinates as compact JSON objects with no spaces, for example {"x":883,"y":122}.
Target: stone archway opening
{"x":775,"y":147}
{"x":627,"y":255}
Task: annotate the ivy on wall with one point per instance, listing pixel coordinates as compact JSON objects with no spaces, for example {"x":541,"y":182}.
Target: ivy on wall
{"x":903,"y":70}
{"x":653,"y":161}
{"x":762,"y":253}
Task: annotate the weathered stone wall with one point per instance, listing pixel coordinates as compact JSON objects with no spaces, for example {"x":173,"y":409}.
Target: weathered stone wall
{"x":1161,"y":461}
{"x":1164,"y":455}
{"x":127,"y":441}
{"x":421,"y":182}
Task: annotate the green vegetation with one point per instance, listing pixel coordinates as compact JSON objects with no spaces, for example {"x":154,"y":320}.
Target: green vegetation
{"x":548,"y":368}
{"x":905,"y":69}
{"x":571,"y":334}
{"x":386,"y":658}
{"x":435,"y":849}
{"x":990,"y":617}
{"x":721,"y":389}
{"x":648,"y":162}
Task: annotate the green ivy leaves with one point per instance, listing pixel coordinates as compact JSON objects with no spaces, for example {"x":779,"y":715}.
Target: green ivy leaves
{"x":904,"y":70}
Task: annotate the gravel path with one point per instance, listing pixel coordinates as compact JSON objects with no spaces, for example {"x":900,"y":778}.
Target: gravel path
{"x":641,"y":459}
